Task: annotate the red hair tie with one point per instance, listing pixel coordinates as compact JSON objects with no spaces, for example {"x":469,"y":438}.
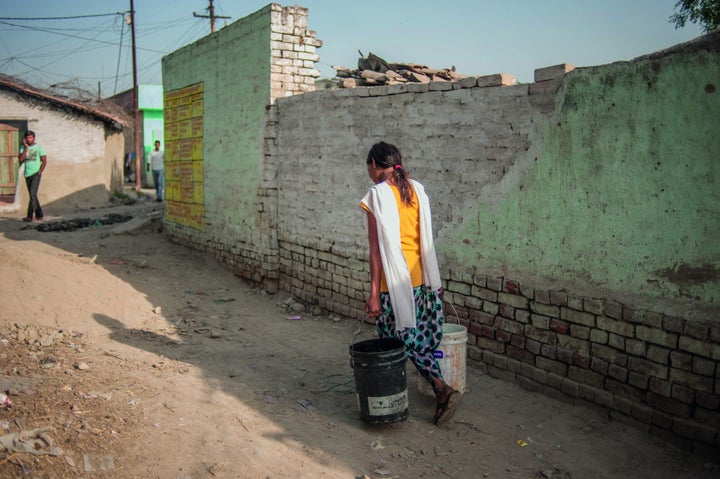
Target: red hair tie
{"x":398,"y":167}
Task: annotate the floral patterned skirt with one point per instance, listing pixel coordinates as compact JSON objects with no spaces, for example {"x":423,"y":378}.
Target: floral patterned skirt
{"x":422,"y":340}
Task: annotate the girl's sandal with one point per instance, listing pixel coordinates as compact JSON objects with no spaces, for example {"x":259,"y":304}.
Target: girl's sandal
{"x":446,"y":409}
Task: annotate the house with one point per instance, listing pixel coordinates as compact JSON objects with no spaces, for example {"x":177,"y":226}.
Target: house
{"x":84,"y":146}
{"x":151,"y":125}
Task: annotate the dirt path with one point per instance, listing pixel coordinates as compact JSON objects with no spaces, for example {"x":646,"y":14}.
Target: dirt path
{"x":148,"y":360}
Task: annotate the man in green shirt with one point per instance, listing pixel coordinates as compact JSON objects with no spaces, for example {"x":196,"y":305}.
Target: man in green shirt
{"x":33,"y":155}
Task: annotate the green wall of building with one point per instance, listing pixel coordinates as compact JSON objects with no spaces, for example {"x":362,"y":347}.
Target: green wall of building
{"x":625,"y":195}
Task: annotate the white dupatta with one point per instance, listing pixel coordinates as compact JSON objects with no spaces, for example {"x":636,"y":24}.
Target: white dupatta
{"x":380,"y":201}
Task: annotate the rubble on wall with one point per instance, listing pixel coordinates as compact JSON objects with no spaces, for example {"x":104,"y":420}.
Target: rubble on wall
{"x":374,"y":71}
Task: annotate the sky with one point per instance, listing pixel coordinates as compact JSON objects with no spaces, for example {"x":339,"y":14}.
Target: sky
{"x":477,"y":37}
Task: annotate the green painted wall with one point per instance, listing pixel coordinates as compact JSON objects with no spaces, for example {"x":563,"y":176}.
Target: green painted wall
{"x":234,"y":66}
{"x":625,"y":195}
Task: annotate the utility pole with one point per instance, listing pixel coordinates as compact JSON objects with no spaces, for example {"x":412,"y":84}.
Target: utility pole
{"x":212,"y":16}
{"x":136,"y":123}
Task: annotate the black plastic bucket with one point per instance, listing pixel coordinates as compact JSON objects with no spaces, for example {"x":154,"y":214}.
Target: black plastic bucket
{"x":379,"y":370}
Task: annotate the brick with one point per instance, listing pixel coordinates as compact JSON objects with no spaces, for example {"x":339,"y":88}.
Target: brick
{"x":543,"y":336}
{"x":575,"y":302}
{"x":484,"y":293}
{"x":593,"y":305}
{"x":673,"y":324}
{"x":580,"y":332}
{"x":481,"y":317}
{"x":658,"y":354}
{"x":491,"y":344}
{"x":705,"y":349}
{"x":622,"y":405}
{"x":586,"y":392}
{"x":668,"y":405}
{"x":555,"y":381}
{"x":559,"y":327}
{"x":623,"y":390}
{"x":697,"y":330}
{"x":473,"y":303}
{"x":599,"y":365}
{"x":617,"y":372}
{"x":502,"y":374}
{"x":508,"y":325}
{"x":552,"y":72}
{"x":540,"y":322}
{"x":616,"y":327}
{"x":608,"y":354}
{"x":715,"y":333}
{"x":490,"y":308}
{"x":703,"y":367}
{"x":542,"y":296}
{"x":514,"y":365}
{"x":522,"y":316}
{"x":468,"y":82}
{"x":707,"y":400}
{"x":506,"y":311}
{"x":632,"y":315}
{"x":585,"y":376}
{"x":558,"y":298}
{"x":518,"y":341}
{"x":683,"y":394}
{"x":597,"y":336}
{"x":613,"y":309}
{"x":533,"y":346}
{"x":479,"y":280}
{"x":489,"y":357}
{"x":549,"y":352}
{"x":545,"y":309}
{"x":638,"y":380}
{"x":502,"y":336}
{"x":578,"y":317}
{"x":616,"y":341}
{"x":554,"y":367}
{"x":520,"y":354}
{"x":496,"y":283}
{"x":547,"y":87}
{"x":635,"y":347}
{"x":681,"y":361}
{"x":564,"y":355}
{"x":650,"y":368}
{"x":475,"y":329}
{"x":700,"y":383}
{"x":660,"y":386}
{"x":603,"y":398}
{"x":657,"y":336}
{"x":540,"y":376}
{"x":497,"y":79}
{"x":514,"y":300}
{"x":581,"y":361}
{"x":652,"y":319}
{"x":570,"y":387}
{"x":511,"y":287}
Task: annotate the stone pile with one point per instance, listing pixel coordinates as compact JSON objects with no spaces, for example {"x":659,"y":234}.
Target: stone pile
{"x":373,"y":70}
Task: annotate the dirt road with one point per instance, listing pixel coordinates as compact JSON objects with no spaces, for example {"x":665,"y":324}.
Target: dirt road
{"x":144,"y":359}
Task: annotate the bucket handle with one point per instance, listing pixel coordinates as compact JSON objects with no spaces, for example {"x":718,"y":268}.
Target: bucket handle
{"x":457,"y":318}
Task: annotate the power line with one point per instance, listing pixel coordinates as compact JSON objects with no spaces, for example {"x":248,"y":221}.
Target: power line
{"x":61,"y":18}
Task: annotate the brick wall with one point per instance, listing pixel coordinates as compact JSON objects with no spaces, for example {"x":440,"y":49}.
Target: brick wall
{"x":575,"y":218}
